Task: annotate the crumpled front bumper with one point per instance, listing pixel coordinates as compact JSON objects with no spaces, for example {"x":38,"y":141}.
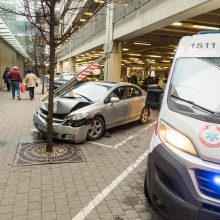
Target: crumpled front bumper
{"x":61,"y":131}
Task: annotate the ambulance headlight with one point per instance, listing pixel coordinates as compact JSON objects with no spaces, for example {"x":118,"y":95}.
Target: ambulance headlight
{"x":171,"y":138}
{"x":217,"y":180}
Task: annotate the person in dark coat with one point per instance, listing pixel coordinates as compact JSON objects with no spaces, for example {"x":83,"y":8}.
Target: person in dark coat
{"x":15,"y":77}
{"x":6,"y":79}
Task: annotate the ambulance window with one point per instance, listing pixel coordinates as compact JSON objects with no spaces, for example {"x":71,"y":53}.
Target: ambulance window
{"x":195,"y":82}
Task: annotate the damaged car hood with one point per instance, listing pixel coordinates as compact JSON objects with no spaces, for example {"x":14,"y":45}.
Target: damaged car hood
{"x":65,"y":105}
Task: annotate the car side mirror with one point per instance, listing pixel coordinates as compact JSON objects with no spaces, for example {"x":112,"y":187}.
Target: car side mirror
{"x":154,"y":97}
{"x":114,"y":100}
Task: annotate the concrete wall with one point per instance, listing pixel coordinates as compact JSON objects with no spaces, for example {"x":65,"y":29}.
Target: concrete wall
{"x":158,"y":14}
{"x":9,"y":58}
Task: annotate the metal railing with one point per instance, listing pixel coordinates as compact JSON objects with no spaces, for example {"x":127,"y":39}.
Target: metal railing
{"x":125,"y":7}
{"x":95,"y":25}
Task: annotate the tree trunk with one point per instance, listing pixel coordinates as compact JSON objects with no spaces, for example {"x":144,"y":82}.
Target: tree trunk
{"x":49,"y":146}
{"x":43,"y":76}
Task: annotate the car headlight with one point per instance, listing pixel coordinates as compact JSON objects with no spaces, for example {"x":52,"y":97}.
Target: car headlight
{"x":76,"y":117}
{"x":171,"y":138}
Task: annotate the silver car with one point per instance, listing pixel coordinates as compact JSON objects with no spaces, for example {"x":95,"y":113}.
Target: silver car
{"x":84,"y":112}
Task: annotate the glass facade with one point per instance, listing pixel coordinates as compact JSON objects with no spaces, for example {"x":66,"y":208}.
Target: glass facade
{"x":18,"y":25}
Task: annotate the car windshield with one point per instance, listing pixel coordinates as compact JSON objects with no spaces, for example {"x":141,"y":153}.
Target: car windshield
{"x":91,"y":92}
{"x":195,"y":86}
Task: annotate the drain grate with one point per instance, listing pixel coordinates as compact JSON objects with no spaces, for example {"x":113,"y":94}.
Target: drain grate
{"x":35,"y":154}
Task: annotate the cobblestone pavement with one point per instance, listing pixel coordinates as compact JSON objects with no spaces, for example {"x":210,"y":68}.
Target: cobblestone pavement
{"x":61,"y":191}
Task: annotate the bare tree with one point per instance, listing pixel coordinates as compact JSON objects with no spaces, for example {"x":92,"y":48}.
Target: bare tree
{"x":46,"y":17}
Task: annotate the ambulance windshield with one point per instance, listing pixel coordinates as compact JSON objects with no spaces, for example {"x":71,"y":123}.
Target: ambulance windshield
{"x":195,"y":85}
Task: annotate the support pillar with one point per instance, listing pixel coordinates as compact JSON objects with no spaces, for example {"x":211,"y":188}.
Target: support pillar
{"x":73,"y":64}
{"x":112,"y":71}
{"x":59,"y":66}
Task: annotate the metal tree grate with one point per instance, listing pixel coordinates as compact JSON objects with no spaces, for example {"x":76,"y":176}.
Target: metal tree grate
{"x":35,"y":154}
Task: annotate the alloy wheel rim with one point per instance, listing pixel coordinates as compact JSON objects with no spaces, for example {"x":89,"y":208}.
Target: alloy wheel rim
{"x":95,"y":128}
{"x":144,"y":115}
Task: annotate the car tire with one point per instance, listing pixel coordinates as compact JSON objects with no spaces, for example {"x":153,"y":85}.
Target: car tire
{"x":96,"y":130}
{"x":145,"y":114}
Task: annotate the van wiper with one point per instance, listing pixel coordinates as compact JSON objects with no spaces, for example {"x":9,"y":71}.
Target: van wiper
{"x":194,"y":105}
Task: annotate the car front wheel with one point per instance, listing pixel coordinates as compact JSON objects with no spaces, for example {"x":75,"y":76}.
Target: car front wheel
{"x":96,"y":129}
{"x":145,"y":113}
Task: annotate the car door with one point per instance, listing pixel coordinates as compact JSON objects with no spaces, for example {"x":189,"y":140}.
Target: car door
{"x":116,"y":113}
{"x":135,"y":102}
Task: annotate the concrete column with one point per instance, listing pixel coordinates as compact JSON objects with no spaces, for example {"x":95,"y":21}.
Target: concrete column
{"x":59,"y":66}
{"x":112,"y":71}
{"x":113,"y":50}
{"x":73,"y":64}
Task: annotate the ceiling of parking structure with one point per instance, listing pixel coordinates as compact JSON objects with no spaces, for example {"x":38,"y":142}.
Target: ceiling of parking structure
{"x":156,"y":49}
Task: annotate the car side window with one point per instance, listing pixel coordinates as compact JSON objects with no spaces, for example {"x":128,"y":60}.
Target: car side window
{"x":118,"y":92}
{"x":131,"y":92}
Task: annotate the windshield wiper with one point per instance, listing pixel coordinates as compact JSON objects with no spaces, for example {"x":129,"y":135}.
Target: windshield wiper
{"x":69,"y":97}
{"x":194,"y":105}
{"x":84,"y":97}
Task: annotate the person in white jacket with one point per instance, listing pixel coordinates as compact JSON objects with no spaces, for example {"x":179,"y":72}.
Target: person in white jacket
{"x":31,"y":82}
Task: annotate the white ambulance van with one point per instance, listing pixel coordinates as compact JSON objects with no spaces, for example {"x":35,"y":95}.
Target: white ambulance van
{"x":183,"y":169}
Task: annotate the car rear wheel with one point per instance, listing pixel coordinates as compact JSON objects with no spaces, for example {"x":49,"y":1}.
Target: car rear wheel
{"x":96,"y":129}
{"x":145,"y":113}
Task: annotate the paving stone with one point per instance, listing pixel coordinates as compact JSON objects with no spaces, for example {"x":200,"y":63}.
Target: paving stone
{"x":116,"y":211}
{"x":34,"y":205}
{"x":62,"y":210}
{"x":49,"y":216}
{"x":6,"y":209}
{"x":48,"y":200}
{"x":34,"y":213}
{"x":48,"y":208}
{"x":131,"y":213}
{"x":21,"y":217}
{"x":6,"y":216}
{"x":8,"y":201}
{"x":20,"y":211}
{"x":64,"y":217}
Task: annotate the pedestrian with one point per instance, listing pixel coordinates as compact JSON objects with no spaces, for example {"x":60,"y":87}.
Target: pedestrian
{"x":31,"y":82}
{"x":6,"y":79}
{"x":15,"y":77}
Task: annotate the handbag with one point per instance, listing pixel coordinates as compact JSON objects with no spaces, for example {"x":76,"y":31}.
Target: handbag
{"x":22,"y":87}
{"x":36,"y":84}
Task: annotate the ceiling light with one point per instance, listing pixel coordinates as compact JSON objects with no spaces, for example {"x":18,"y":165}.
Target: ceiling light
{"x":125,"y":49}
{"x":98,"y":1}
{"x":88,"y":13}
{"x":140,"y":43}
{"x":165,"y":61}
{"x":134,"y":54}
{"x":205,"y":27}
{"x":177,"y":24}
{"x":82,"y":19}
{"x":154,"y":56}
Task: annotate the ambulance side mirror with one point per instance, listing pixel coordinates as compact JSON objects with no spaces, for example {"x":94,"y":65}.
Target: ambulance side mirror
{"x":154,"y":97}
